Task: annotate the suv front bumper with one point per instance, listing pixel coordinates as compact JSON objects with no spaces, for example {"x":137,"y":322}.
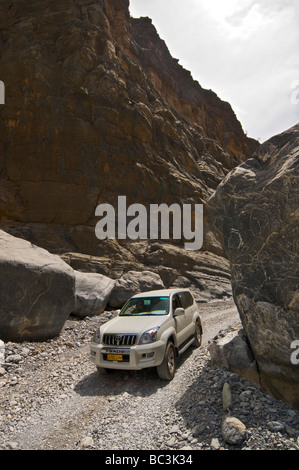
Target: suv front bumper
{"x":128,"y":358}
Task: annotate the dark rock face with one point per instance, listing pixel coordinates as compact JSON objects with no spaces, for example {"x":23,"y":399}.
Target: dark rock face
{"x":255,"y":214}
{"x":37,"y":291}
{"x":95,"y":108}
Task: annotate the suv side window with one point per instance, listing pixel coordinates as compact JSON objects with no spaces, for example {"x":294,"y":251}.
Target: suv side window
{"x":189,"y":298}
{"x":175,"y":302}
{"x":186,"y":299}
{"x":183,"y":299}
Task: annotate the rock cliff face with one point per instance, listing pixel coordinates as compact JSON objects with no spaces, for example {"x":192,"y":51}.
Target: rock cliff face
{"x":255,"y":213}
{"x":95,"y":108}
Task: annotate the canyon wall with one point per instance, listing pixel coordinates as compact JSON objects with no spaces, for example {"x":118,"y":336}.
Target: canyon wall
{"x":96,"y":107}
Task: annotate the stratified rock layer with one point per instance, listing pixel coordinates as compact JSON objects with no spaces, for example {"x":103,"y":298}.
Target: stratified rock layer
{"x":132,"y":283}
{"x":96,"y":107}
{"x":255,"y":213}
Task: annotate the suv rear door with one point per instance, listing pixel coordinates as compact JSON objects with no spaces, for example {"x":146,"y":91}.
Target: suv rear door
{"x":187,"y":302}
{"x":180,"y":320}
{"x":184,"y":323}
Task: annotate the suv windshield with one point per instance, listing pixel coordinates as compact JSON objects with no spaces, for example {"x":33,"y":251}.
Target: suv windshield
{"x":146,"y":306}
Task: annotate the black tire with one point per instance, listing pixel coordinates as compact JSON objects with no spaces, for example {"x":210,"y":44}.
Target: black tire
{"x":166,"y":370}
{"x":198,"y":334}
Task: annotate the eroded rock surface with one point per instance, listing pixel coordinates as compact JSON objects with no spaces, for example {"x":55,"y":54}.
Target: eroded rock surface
{"x":255,"y":213}
{"x":92,"y":291}
{"x":132,"y":283}
{"x":96,"y":107}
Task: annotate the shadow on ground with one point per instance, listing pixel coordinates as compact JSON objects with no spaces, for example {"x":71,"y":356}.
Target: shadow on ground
{"x":201,"y":407}
{"x":143,"y":382}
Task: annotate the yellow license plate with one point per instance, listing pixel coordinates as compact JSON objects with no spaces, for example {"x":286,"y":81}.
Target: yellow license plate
{"x":114,"y":357}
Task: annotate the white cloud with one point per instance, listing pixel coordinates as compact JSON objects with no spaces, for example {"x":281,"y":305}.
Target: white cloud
{"x":244,"y":50}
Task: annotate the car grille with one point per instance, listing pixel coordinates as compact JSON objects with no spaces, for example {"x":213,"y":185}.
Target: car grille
{"x":120,"y":339}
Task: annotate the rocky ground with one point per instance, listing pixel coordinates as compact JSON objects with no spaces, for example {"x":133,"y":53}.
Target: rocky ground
{"x":53,"y":398}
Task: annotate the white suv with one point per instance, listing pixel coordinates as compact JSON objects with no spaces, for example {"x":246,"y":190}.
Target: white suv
{"x":151,"y":330}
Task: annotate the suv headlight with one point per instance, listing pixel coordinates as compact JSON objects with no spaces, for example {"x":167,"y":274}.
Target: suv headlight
{"x":149,"y":336}
{"x":96,"y":336}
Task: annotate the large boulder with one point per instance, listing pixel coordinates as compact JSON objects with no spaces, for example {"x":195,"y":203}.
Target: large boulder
{"x":132,"y":283}
{"x":37,"y":291}
{"x":233,"y":352}
{"x":255,"y":214}
{"x":92,"y":293}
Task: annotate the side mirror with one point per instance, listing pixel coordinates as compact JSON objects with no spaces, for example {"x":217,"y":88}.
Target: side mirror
{"x":179,"y":311}
{"x":117,"y":312}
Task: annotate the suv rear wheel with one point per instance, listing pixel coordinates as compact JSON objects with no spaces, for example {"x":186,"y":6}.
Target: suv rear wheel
{"x":166,"y":370}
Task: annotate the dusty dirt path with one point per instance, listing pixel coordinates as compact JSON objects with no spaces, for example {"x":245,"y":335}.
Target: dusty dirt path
{"x":61,"y":402}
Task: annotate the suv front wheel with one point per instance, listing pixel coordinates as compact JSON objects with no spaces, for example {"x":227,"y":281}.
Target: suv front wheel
{"x":166,"y":370}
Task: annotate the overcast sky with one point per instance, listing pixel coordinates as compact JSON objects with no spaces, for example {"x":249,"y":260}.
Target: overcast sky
{"x":246,"y":51}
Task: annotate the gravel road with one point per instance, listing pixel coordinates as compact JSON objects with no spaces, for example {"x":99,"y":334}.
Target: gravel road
{"x":53,"y":398}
